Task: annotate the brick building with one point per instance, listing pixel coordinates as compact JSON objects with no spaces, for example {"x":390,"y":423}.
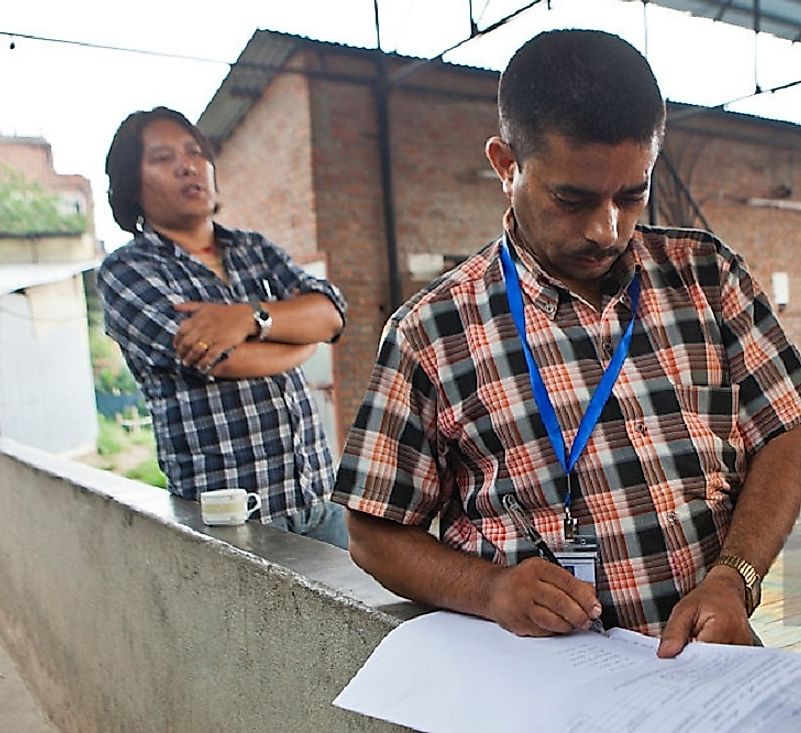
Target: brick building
{"x":33,"y":158}
{"x":384,"y":184}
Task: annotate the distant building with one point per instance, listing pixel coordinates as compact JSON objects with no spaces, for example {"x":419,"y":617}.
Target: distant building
{"x":46,"y":383}
{"x":372,"y":167}
{"x":33,"y":158}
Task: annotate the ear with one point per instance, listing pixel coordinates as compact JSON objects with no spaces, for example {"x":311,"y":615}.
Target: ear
{"x":503,"y":161}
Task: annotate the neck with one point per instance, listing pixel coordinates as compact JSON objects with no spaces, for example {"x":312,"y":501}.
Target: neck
{"x":590,"y":291}
{"x":196,"y":240}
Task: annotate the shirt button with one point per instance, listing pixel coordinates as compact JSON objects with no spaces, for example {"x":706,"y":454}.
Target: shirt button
{"x":671,"y":517}
{"x":607,"y":348}
{"x":550,"y":308}
{"x":640,"y":428}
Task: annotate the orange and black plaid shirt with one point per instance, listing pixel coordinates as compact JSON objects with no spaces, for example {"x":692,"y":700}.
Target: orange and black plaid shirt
{"x":449,"y":424}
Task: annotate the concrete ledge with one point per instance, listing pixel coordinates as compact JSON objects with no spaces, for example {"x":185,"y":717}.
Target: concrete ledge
{"x":126,"y":613}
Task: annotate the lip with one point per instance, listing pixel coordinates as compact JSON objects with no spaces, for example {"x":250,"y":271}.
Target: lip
{"x":193,"y":190}
{"x":594,"y":263}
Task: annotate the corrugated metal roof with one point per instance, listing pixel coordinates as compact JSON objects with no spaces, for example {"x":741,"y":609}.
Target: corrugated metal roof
{"x":252,"y":72}
{"x":19,"y":277}
{"x":782,"y":18}
{"x":267,"y":51}
{"x":255,"y":68}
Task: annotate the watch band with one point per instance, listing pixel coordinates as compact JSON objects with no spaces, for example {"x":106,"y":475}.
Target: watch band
{"x":751,"y":578}
{"x":263,"y":320}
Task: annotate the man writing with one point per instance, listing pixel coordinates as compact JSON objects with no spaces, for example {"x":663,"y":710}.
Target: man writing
{"x":215,"y":324}
{"x":605,"y":379}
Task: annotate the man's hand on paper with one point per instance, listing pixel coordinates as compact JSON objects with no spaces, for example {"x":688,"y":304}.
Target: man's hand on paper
{"x":713,"y":612}
{"x":536,"y":598}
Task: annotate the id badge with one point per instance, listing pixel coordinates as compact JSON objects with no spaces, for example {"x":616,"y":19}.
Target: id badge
{"x":580,"y":558}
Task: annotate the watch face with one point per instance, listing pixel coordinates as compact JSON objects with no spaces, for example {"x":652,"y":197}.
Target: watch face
{"x":757,"y":593}
{"x":265,"y":321}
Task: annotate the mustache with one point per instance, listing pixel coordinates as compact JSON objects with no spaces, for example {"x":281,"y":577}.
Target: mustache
{"x":599,"y":255}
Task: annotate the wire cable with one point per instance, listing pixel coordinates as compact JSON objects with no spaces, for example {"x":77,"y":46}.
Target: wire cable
{"x":697,"y":110}
{"x":414,"y":66}
{"x":105,"y":47}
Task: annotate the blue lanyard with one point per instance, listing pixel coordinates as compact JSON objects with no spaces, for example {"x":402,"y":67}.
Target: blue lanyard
{"x":544,"y":404}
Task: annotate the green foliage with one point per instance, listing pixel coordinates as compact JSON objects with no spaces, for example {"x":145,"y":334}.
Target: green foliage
{"x":143,"y":437}
{"x":126,"y":384}
{"x":110,"y":371}
{"x":25,"y":208}
{"x":119,"y":381}
{"x":119,"y":446}
{"x":94,"y":306}
{"x":148,"y":472}
{"x":101,"y":347}
{"x":110,"y":436}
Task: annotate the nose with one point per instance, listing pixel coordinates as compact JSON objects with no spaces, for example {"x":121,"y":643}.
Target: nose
{"x":602,"y":225}
{"x":186,"y":165}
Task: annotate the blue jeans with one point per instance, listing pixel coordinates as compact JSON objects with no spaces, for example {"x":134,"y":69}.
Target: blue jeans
{"x":324,"y":521}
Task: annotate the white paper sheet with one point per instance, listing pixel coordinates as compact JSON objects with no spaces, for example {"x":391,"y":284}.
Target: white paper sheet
{"x":448,"y":673}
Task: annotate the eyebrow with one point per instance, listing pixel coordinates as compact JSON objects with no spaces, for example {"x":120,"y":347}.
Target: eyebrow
{"x":577,"y":191}
{"x":168,"y":148}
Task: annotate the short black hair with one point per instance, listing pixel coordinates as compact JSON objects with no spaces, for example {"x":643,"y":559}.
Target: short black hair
{"x":124,"y":162}
{"x":586,"y":85}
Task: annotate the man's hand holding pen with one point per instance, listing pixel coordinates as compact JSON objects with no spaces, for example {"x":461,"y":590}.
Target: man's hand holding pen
{"x":538,"y":598}
{"x":569,"y":603}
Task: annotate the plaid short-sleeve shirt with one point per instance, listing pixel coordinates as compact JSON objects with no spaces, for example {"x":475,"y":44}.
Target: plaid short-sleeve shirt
{"x":449,"y":424}
{"x":262,"y":434}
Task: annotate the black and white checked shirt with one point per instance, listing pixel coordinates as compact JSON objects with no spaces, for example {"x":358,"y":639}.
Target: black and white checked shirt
{"x":261,"y":434}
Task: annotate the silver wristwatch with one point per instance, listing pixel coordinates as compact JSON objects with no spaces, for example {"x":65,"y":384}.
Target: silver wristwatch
{"x":263,"y":319}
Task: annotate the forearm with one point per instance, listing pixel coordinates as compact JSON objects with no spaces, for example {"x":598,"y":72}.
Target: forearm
{"x":768,"y":504}
{"x":253,"y":359}
{"x":412,"y":563}
{"x":306,"y":319}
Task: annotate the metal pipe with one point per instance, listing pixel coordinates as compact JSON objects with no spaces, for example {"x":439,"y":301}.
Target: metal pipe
{"x":653,"y":210}
{"x":683,"y":188}
{"x":381,"y":90}
{"x":387,"y":191}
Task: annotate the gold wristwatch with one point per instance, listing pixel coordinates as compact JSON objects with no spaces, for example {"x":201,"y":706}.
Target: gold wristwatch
{"x":751,"y":578}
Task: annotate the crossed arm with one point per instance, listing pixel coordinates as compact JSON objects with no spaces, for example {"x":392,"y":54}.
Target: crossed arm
{"x":214,"y":329}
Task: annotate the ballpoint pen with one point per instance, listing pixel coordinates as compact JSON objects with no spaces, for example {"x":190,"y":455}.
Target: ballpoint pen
{"x":526,"y":526}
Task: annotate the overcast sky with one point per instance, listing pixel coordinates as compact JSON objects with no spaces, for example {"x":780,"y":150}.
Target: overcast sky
{"x":76,"y":97}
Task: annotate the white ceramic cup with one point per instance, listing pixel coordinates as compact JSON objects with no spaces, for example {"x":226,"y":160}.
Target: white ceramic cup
{"x":227,"y":506}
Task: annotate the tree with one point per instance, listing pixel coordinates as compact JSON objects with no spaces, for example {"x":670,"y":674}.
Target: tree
{"x":25,"y":208}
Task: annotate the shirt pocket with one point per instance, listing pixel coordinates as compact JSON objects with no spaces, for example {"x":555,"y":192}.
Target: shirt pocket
{"x":710,"y":416}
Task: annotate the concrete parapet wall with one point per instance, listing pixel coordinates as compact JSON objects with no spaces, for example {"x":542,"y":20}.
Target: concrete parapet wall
{"x":127,"y":614}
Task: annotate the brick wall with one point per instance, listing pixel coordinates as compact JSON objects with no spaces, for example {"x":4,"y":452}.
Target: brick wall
{"x":725,"y":163}
{"x":442,"y":205}
{"x":347,"y":178}
{"x":448,"y":199}
{"x":264,"y":170}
